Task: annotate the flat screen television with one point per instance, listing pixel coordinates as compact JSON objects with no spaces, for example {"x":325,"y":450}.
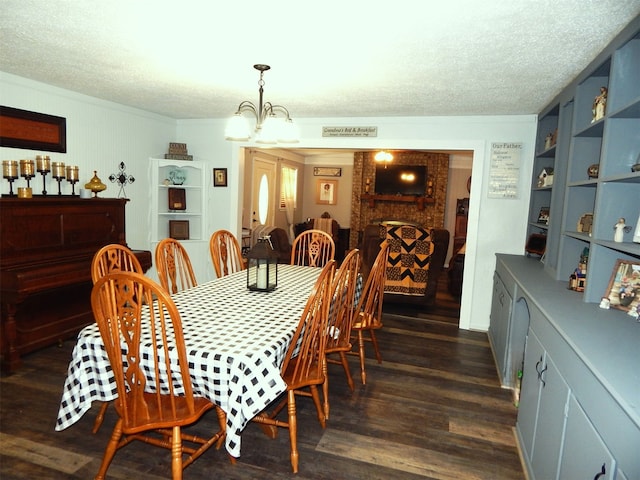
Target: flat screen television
{"x":401,"y":180}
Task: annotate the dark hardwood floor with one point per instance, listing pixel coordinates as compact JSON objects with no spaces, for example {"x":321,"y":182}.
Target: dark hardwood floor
{"x":432,"y":410}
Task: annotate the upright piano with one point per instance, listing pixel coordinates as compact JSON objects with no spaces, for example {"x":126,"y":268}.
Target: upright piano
{"x":47,"y":245}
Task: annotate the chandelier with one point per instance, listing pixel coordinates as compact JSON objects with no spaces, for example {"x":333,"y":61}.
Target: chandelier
{"x":269,"y":127}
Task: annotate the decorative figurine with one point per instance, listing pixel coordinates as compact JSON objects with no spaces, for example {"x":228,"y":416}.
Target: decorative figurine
{"x":620,"y":229}
{"x":599,"y":105}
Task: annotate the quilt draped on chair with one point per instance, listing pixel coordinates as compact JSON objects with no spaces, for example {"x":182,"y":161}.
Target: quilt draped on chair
{"x":409,"y":257}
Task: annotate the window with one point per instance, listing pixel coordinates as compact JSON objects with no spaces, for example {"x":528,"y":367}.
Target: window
{"x":288,"y":187}
{"x":263,"y":200}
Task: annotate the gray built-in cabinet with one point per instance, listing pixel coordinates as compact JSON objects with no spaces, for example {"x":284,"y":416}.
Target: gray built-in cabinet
{"x":579,"y":404}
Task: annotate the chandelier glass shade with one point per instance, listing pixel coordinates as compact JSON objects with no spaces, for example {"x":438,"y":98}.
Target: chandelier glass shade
{"x":269,"y":128}
{"x":383,"y":156}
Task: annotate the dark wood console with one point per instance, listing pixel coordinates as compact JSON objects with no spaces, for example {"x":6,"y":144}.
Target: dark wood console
{"x":46,"y":247}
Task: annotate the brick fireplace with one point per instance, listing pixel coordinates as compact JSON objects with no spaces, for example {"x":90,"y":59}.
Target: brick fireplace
{"x":366,"y":211}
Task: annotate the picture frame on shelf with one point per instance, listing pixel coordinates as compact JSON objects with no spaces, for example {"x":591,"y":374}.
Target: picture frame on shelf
{"x":177,"y":199}
{"x":327,"y":192}
{"x":179,"y":229}
{"x":536,"y":244}
{"x":219,"y":177}
{"x":623,"y":291}
{"x":543,"y":216}
{"x":585,"y":223}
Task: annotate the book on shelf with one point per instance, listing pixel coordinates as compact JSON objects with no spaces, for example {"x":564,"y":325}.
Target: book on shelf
{"x":174,"y":156}
{"x":178,"y":148}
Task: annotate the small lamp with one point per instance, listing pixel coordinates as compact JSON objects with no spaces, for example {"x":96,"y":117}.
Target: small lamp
{"x":262,"y":268}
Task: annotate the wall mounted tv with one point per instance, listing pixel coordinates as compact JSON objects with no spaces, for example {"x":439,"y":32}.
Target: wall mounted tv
{"x":401,"y":180}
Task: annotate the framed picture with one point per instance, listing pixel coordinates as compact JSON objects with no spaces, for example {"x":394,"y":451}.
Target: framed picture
{"x":536,"y":244}
{"x":543,"y":216}
{"x":327,"y":192}
{"x":177,"y":199}
{"x":219,"y":177}
{"x":32,"y":130}
{"x":624,"y":287}
{"x":327,"y":172}
{"x":585,"y":223}
{"x":179,"y":229}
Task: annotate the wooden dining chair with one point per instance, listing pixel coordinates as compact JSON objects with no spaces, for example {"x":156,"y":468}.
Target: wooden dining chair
{"x":313,"y":248}
{"x":146,"y":413}
{"x":174,"y":266}
{"x":368,"y":314}
{"x":303,"y":365}
{"x":110,"y":258}
{"x":226,"y":253}
{"x":113,"y":257}
{"x":343,"y":289}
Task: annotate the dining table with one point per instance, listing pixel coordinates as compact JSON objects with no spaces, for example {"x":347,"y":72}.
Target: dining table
{"x":235,"y":340}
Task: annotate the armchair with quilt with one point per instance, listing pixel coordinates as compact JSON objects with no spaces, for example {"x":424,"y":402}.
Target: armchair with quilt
{"x":414,"y":284}
{"x":279,"y":240}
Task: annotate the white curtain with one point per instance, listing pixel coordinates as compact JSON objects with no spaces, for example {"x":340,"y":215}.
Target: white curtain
{"x":289,"y":185}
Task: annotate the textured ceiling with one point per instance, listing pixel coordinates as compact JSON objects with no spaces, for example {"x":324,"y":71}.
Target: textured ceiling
{"x":194,"y":59}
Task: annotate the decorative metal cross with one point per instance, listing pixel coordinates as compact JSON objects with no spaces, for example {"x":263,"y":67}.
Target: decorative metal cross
{"x":121,"y":179}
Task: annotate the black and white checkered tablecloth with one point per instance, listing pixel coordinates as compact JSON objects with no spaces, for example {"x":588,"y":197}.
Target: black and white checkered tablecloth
{"x":235,"y":341}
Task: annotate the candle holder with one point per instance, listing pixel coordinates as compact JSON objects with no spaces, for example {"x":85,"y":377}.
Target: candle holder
{"x":72,"y":178}
{"x":10,"y":172}
{"x":43,"y":165}
{"x":27,"y":170}
{"x":57,"y":172}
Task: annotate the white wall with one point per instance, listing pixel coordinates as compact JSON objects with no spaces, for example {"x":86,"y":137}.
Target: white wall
{"x":101,"y":134}
{"x":342,"y":211}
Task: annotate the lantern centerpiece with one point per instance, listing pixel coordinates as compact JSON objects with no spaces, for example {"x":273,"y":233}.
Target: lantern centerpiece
{"x":262,"y":268}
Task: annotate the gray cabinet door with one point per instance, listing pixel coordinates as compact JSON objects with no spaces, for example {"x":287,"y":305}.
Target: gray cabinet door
{"x":499,"y":327}
{"x":541,"y":416}
{"x":584,"y":454}
{"x":530,"y":394}
{"x":554,"y":393}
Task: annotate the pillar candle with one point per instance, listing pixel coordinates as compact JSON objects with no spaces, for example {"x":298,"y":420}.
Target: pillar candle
{"x":72,"y":172}
{"x":10,"y":168}
{"x":262,"y":276}
{"x":43,"y":163}
{"x":27,"y":168}
{"x":57,"y":169}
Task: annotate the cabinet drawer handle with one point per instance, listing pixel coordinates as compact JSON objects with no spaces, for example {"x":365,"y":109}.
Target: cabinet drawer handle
{"x":602,"y":472}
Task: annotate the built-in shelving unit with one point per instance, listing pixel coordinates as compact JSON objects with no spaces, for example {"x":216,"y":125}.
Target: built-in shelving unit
{"x":578,"y":411}
{"x":189,"y":177}
{"x":183,"y":175}
{"x":611,"y":143}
